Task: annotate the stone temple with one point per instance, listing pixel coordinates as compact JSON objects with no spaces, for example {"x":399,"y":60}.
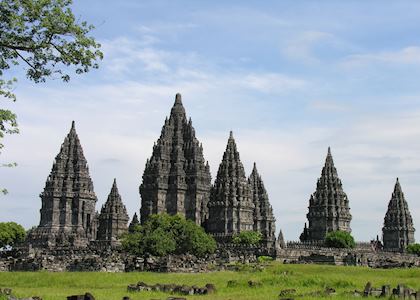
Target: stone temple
{"x":68,"y":200}
{"x":113,"y":220}
{"x":264,"y":220}
{"x":176,"y":179}
{"x":237,"y":203}
{"x":231,"y":207}
{"x":328,"y":207}
{"x":398,"y":230}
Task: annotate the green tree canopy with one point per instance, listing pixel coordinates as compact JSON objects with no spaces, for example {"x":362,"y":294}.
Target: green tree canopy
{"x":11,"y":233}
{"x":414,"y":249}
{"x":340,"y":239}
{"x":163,"y":234}
{"x":247,"y":238}
{"x":46,"y":38}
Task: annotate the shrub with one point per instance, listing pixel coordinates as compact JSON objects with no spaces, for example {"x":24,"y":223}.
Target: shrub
{"x":264,"y":259}
{"x":414,"y":249}
{"x":163,"y":234}
{"x":247,"y":238}
{"x":11,"y":233}
{"x":339,"y":239}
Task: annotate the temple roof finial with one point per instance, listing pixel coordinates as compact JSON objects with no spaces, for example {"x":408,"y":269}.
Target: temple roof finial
{"x":178,"y":99}
{"x":231,"y":134}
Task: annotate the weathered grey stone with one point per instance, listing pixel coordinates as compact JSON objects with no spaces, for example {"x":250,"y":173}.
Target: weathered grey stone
{"x":398,"y":230}
{"x":264,"y":220}
{"x":134,"y":222}
{"x":113,"y":218}
{"x":386,"y":291}
{"x":86,"y":296}
{"x":68,"y":200}
{"x":210,"y":288}
{"x":231,"y":208}
{"x":368,"y":289}
{"x":176,"y":179}
{"x":328,"y":206}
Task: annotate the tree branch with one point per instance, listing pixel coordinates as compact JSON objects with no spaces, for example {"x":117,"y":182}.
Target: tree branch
{"x":25,"y":60}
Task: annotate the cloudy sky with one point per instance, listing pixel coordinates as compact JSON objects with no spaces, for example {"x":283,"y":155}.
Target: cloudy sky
{"x":290,"y":79}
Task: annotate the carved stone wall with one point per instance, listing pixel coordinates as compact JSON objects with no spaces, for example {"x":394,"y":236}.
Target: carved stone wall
{"x":176,"y":179}
{"x":68,"y":200}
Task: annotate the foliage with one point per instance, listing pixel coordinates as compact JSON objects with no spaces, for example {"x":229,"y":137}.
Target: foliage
{"x":264,"y":259}
{"x":46,"y":38}
{"x":163,"y":234}
{"x":340,"y":239}
{"x":11,"y":233}
{"x":247,"y":238}
{"x":274,"y":278}
{"x":414,"y":249}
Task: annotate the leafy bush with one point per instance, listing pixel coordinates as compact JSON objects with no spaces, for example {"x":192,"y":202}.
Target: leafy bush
{"x":247,"y":238}
{"x":339,"y":239}
{"x":264,"y":259}
{"x":414,"y":249}
{"x":163,"y":234}
{"x":11,"y":233}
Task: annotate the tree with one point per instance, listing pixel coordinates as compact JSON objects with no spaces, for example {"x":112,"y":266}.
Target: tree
{"x":11,"y":233}
{"x":163,"y":234}
{"x":247,"y":238}
{"x":414,"y":249}
{"x":339,"y":239}
{"x":46,"y":38}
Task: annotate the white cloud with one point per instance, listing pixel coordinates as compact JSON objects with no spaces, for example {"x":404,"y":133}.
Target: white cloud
{"x":301,"y":47}
{"x":405,"y":56}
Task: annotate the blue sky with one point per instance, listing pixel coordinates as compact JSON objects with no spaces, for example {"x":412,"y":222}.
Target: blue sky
{"x":289,"y":78}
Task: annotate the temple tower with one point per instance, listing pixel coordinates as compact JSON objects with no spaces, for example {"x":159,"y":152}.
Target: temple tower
{"x":176,"y":179}
{"x":328,"y":206}
{"x":113,"y":218}
{"x":398,"y":230}
{"x":231,"y":209}
{"x":68,"y":199}
{"x":134,"y":222}
{"x":264,"y":220}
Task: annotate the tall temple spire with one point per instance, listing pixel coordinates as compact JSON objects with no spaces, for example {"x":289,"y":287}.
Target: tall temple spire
{"x":113,"y":218}
{"x":398,"y":230}
{"x":176,"y":179}
{"x":328,"y":206}
{"x":231,"y":209}
{"x":68,"y":199}
{"x":264,"y":220}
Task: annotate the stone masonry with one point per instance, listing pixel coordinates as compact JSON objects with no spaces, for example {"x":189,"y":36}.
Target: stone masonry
{"x":176,"y":179}
{"x":113,"y":218}
{"x":231,"y":206}
{"x":68,"y":200}
{"x":264,"y":220}
{"x":328,"y":206}
{"x":398,"y":230}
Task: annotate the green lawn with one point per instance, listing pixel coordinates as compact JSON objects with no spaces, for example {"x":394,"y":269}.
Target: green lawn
{"x":274,"y":278}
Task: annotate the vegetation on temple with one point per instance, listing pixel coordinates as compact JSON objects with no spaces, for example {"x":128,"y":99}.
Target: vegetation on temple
{"x":247,"y":238}
{"x":11,"y":233}
{"x":339,"y":239}
{"x":48,"y":40}
{"x":164,"y":234}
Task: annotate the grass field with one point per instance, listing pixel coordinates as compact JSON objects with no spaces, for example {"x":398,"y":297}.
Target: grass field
{"x":274,"y":278}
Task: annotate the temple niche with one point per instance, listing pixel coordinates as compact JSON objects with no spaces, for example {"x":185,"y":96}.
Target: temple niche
{"x":328,"y":207}
{"x":176,"y":179}
{"x":68,"y":200}
{"x":398,"y":230}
